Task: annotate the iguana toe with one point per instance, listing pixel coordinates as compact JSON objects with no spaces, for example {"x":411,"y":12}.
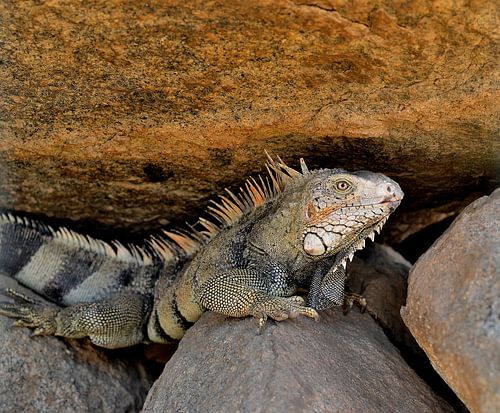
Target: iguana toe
{"x":282,"y":308}
{"x":350,"y":298}
{"x":36,"y":316}
{"x":19,"y":297}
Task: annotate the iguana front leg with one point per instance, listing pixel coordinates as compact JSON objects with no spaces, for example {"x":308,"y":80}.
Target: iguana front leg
{"x":113,"y":323}
{"x":327,"y":290}
{"x":241,"y":293}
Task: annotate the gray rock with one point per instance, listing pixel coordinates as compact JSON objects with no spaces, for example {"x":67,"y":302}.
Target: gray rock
{"x":453,"y":306}
{"x":340,"y":364}
{"x":380,"y":275}
{"x":48,"y":374}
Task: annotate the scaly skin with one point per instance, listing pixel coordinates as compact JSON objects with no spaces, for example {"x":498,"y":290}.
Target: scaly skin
{"x":297,"y":231}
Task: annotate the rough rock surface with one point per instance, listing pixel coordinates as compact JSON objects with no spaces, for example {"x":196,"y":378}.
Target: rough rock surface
{"x":453,"y":305}
{"x":130,"y":114}
{"x":342,"y":363}
{"x":380,"y":275}
{"x":47,"y":374}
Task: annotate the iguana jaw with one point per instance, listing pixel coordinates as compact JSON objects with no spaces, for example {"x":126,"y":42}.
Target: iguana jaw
{"x":345,"y":208}
{"x":336,"y":233}
{"x":325,"y":294}
{"x":361,"y":243}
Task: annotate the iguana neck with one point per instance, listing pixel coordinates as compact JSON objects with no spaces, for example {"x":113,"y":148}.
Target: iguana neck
{"x":280,"y":229}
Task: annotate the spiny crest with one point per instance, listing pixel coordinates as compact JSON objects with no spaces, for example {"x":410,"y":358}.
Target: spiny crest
{"x":179,"y":243}
{"x":254,"y":193}
{"x":71,"y":239}
{"x":229,"y":209}
{"x":25,"y":222}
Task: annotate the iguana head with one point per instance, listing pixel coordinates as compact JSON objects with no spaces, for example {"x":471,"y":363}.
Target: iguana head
{"x":339,"y":208}
{"x":343,"y":208}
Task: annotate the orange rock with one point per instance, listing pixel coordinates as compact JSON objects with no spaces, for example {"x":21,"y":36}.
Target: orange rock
{"x":131,"y":115}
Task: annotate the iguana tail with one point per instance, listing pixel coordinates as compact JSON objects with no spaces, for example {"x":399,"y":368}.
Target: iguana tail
{"x":67,"y":267}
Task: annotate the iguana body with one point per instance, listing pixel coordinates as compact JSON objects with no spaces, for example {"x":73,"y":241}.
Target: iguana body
{"x":292,"y":230}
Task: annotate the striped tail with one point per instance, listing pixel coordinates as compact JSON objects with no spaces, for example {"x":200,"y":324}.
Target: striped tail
{"x":67,"y":267}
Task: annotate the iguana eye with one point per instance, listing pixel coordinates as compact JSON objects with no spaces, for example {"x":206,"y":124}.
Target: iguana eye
{"x":342,"y":185}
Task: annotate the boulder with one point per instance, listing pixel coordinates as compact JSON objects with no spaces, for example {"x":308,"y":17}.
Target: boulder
{"x":129,"y":115}
{"x":453,"y":305}
{"x":380,"y":275}
{"x":342,"y":363}
{"x":49,"y":374}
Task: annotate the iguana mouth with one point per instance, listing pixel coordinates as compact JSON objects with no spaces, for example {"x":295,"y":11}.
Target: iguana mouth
{"x":393,"y":201}
{"x":392,"y":204}
{"x":325,"y":236}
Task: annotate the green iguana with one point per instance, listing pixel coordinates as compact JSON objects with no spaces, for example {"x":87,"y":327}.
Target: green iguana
{"x":287,"y":231}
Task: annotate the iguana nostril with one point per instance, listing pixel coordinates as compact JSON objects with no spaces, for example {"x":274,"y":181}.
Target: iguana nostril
{"x":391,"y":192}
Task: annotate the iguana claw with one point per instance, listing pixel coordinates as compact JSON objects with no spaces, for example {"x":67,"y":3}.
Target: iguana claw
{"x":282,"y":308}
{"x":262,"y":323}
{"x":29,"y":312}
{"x":350,"y":298}
{"x":18,"y":297}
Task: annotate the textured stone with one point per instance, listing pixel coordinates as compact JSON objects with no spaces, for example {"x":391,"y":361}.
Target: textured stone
{"x":48,"y":374}
{"x":453,"y":306}
{"x":380,"y":275}
{"x":342,"y":363}
{"x":130,"y":114}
